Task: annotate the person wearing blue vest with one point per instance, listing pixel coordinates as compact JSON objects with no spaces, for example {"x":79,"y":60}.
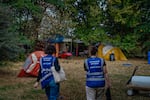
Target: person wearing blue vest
{"x":45,"y":74}
{"x":96,"y":76}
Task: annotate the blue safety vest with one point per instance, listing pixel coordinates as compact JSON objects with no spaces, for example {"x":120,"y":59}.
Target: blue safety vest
{"x":95,"y":74}
{"x":46,"y":73}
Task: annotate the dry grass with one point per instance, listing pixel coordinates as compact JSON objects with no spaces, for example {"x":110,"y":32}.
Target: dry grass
{"x":13,"y":88}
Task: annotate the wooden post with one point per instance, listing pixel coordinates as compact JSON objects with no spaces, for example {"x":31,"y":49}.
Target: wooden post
{"x":57,"y":49}
{"x":77,"y":49}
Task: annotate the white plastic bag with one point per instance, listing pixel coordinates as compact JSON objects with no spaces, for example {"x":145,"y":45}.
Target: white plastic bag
{"x":58,"y":76}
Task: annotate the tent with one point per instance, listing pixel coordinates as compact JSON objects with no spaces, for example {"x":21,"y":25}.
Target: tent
{"x":105,"y":51}
{"x":31,"y":65}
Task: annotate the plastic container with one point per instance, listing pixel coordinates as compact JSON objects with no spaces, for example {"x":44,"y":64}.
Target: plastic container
{"x":112,"y":57}
{"x":141,"y":81}
{"x":148,"y":57}
{"x":127,"y":65}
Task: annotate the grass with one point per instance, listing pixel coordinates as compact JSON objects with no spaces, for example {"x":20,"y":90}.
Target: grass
{"x":14,"y":88}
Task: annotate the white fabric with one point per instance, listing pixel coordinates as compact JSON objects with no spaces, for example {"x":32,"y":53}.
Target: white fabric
{"x":31,"y":67}
{"x":106,"y":49}
{"x":94,"y":93}
{"x":58,"y":76}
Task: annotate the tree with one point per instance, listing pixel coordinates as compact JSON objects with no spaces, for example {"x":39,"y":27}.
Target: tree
{"x":143,"y":28}
{"x":29,"y":13}
{"x":129,"y":20}
{"x":89,"y":20}
{"x":8,"y":36}
{"x":26,"y":17}
{"x":123,"y":23}
{"x":53,"y":22}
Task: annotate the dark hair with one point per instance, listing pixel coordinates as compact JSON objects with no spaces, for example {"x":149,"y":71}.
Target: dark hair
{"x":50,"y":49}
{"x":93,"y":51}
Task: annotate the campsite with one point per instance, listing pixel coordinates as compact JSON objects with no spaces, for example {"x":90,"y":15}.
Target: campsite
{"x":15,"y":88}
{"x":116,"y":30}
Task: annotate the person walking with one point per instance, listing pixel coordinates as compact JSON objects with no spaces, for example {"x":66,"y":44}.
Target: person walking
{"x":96,"y":76}
{"x":45,"y":74}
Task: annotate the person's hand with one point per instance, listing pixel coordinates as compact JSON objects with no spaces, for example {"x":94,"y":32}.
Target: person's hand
{"x":36,"y":84}
{"x":108,"y":85}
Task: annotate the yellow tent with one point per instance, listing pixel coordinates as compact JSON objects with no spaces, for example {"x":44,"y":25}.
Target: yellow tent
{"x":106,"y":51}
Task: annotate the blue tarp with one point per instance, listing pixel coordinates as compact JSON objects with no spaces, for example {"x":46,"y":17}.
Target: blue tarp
{"x":57,"y":38}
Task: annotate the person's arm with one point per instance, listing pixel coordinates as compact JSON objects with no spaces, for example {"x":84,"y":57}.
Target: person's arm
{"x":56,"y":64}
{"x":85,"y":67}
{"x":38,"y":78}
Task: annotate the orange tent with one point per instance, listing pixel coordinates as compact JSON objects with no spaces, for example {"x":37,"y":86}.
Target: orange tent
{"x":31,"y":65}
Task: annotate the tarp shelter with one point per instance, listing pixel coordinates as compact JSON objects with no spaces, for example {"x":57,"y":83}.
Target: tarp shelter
{"x":31,"y":65}
{"x":106,"y":51}
{"x":57,"y":38}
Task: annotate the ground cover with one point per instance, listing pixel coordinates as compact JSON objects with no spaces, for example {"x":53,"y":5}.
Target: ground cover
{"x":14,"y":88}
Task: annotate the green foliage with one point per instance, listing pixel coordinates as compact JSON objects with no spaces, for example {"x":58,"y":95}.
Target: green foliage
{"x":24,"y":40}
{"x":130,"y":22}
{"x":27,"y":15}
{"x":8,"y":37}
{"x":129,"y":43}
{"x":87,"y":16}
{"x":143,"y":32}
{"x":124,"y":12}
{"x":59,"y":3}
{"x":21,"y":5}
{"x":92,"y":35}
{"x":123,"y":23}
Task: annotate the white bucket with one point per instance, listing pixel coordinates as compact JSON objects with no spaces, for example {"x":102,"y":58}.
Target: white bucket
{"x":141,"y":81}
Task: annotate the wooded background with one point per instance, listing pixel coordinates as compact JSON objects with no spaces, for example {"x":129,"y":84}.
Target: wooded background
{"x":122,"y":23}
